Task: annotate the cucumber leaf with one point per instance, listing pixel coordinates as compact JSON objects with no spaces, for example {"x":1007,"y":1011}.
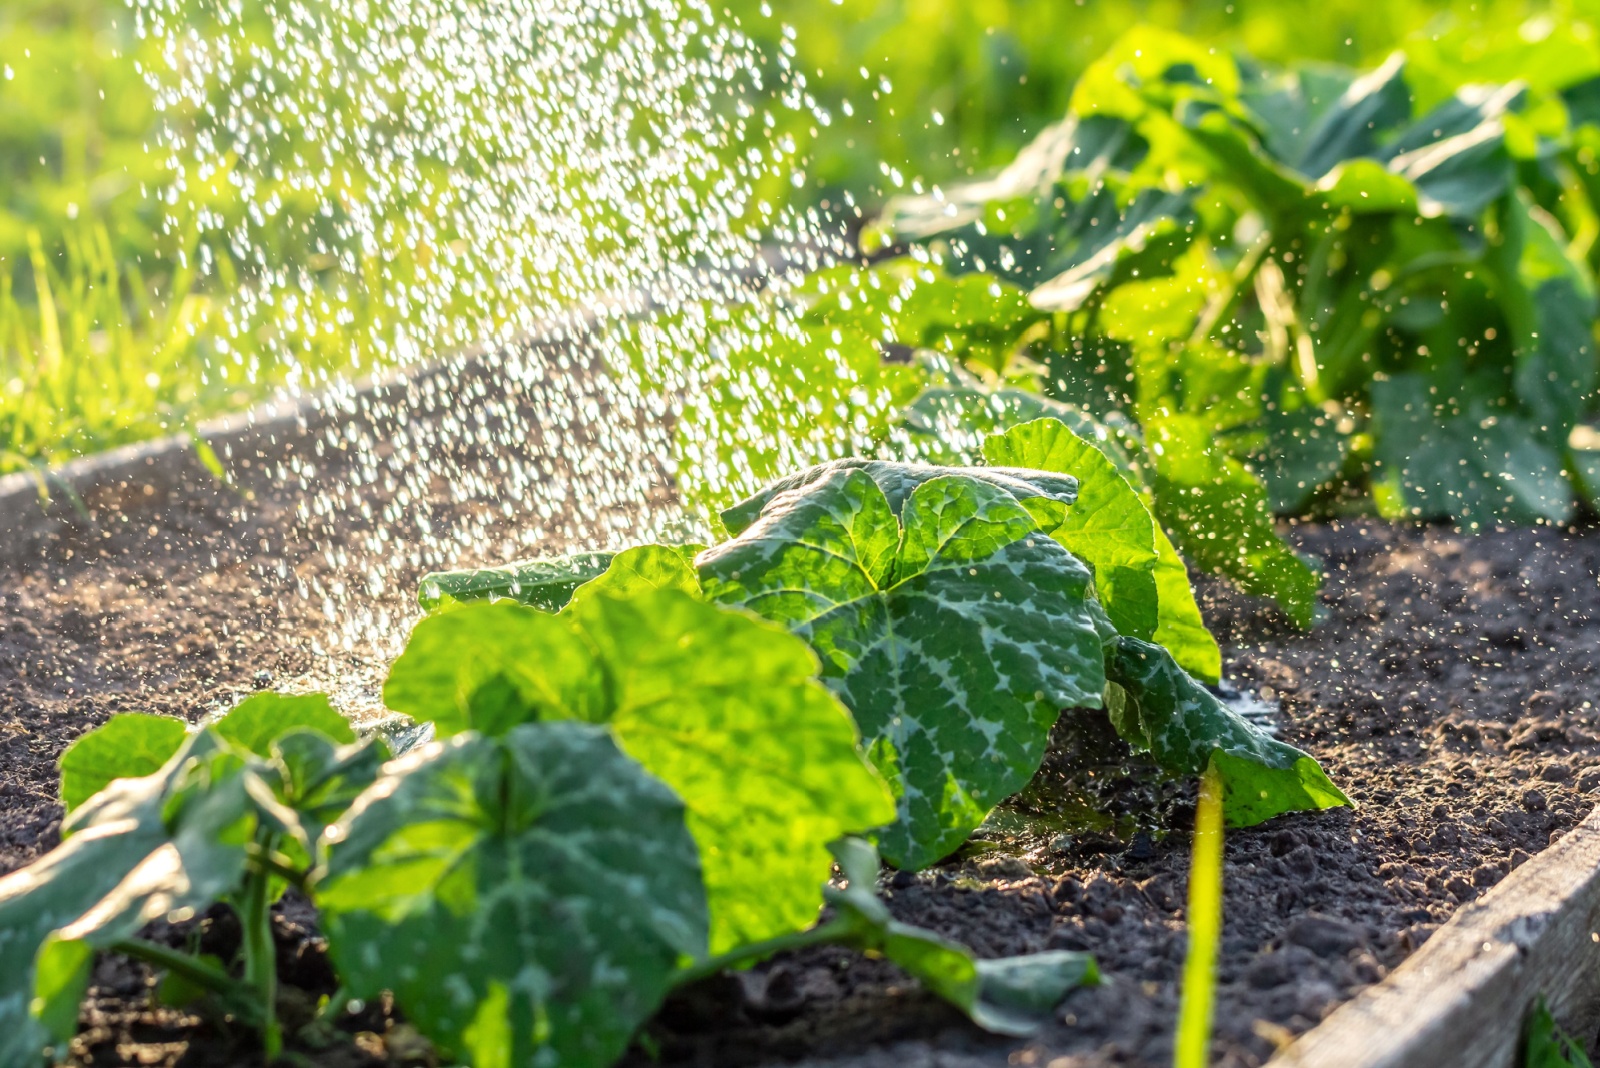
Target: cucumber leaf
{"x":256,"y":722}
{"x":1158,"y":708}
{"x":526,"y":898}
{"x":896,"y":482}
{"x":722,"y":707}
{"x":1111,"y":529}
{"x":130,"y":745}
{"x":644,"y":568}
{"x":956,"y":635}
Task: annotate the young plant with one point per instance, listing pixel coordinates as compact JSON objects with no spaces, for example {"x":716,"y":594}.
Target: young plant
{"x":162,"y":823}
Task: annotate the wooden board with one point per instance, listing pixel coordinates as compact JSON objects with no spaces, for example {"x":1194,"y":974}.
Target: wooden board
{"x":1462,"y":1000}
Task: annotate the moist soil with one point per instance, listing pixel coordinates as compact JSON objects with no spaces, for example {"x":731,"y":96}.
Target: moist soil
{"x":1450,"y":691}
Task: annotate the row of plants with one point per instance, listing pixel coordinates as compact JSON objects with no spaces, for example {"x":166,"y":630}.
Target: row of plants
{"x":645,"y":766}
{"x":1260,"y":292}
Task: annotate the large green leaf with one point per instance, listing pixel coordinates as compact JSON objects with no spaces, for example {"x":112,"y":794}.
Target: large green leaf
{"x":1217,"y":510}
{"x":526,"y":898}
{"x":897,"y":481}
{"x":140,"y":849}
{"x":1111,"y":529}
{"x":722,"y":707}
{"x":955,"y":634}
{"x":130,"y":745}
{"x":1158,"y":708}
{"x":953,"y":423}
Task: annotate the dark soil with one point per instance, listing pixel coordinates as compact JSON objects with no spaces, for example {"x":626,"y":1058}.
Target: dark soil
{"x":1450,"y":691}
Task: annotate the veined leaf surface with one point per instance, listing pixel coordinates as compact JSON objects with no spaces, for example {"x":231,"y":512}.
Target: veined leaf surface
{"x":722,"y":707}
{"x":1111,"y":528}
{"x":526,"y":897}
{"x":956,"y":634}
{"x":1158,"y":708}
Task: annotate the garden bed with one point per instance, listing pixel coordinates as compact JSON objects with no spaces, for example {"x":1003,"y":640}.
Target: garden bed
{"x":1450,"y":691}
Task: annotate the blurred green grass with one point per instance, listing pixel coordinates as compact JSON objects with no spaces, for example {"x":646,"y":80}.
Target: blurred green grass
{"x":107,"y":337}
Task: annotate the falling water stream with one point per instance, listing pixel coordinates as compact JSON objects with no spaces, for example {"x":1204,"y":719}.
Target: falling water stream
{"x":535,"y":199}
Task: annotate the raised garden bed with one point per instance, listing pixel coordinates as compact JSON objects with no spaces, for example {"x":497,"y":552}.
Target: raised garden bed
{"x":1449,"y":690}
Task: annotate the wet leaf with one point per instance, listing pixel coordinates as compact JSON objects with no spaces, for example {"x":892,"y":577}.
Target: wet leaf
{"x":1159,"y":709}
{"x":955,"y":632}
{"x":722,"y":707}
{"x":130,"y":745}
{"x":256,"y":722}
{"x":526,"y":898}
{"x":141,"y":849}
{"x":547,"y":582}
{"x":1112,"y":530}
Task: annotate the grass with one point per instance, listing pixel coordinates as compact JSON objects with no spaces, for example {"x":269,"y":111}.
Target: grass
{"x":1193,"y":1046}
{"x":107,"y":337}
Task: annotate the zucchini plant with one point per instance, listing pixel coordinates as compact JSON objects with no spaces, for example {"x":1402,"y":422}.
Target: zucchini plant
{"x":1314,"y":286}
{"x":956,"y":612}
{"x":620,"y":798}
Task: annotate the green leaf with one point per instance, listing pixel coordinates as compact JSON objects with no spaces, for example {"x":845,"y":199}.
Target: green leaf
{"x":1008,"y":996}
{"x":1218,"y":512}
{"x":1461,"y":175}
{"x":1299,"y":452}
{"x":1547,"y":1045}
{"x":140,"y":849}
{"x":526,"y":898}
{"x":722,"y":707}
{"x":644,"y":568}
{"x":1374,"y":104}
{"x":1111,"y":529}
{"x":955,"y":635}
{"x":1444,"y":450}
{"x":546,"y":583}
{"x":1158,"y":708}
{"x":130,"y":745}
{"x":318,"y":780}
{"x":897,"y":481}
{"x":256,"y":722}
{"x":961,"y":418}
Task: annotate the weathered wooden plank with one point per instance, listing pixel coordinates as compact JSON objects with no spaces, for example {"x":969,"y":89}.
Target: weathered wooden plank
{"x":1462,"y":999}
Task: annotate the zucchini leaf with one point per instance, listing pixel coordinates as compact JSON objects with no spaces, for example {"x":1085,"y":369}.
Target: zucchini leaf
{"x":952,"y":628}
{"x":1143,"y":586}
{"x":546,"y":582}
{"x":140,"y":849}
{"x":722,"y":707}
{"x":526,"y":897}
{"x":1158,"y":708}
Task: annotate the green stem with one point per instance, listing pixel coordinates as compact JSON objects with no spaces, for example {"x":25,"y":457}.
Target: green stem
{"x":260,"y":955}
{"x":834,"y":932}
{"x":239,"y":998}
{"x":274,"y":863}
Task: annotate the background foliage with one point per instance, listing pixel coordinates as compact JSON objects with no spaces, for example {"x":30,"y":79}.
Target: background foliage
{"x":105,"y":337}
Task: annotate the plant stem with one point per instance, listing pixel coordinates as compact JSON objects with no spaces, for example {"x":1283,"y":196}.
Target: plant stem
{"x":273,"y":863}
{"x":1193,"y":1047}
{"x":260,"y":955}
{"x":239,"y":998}
{"x":832,"y":932}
